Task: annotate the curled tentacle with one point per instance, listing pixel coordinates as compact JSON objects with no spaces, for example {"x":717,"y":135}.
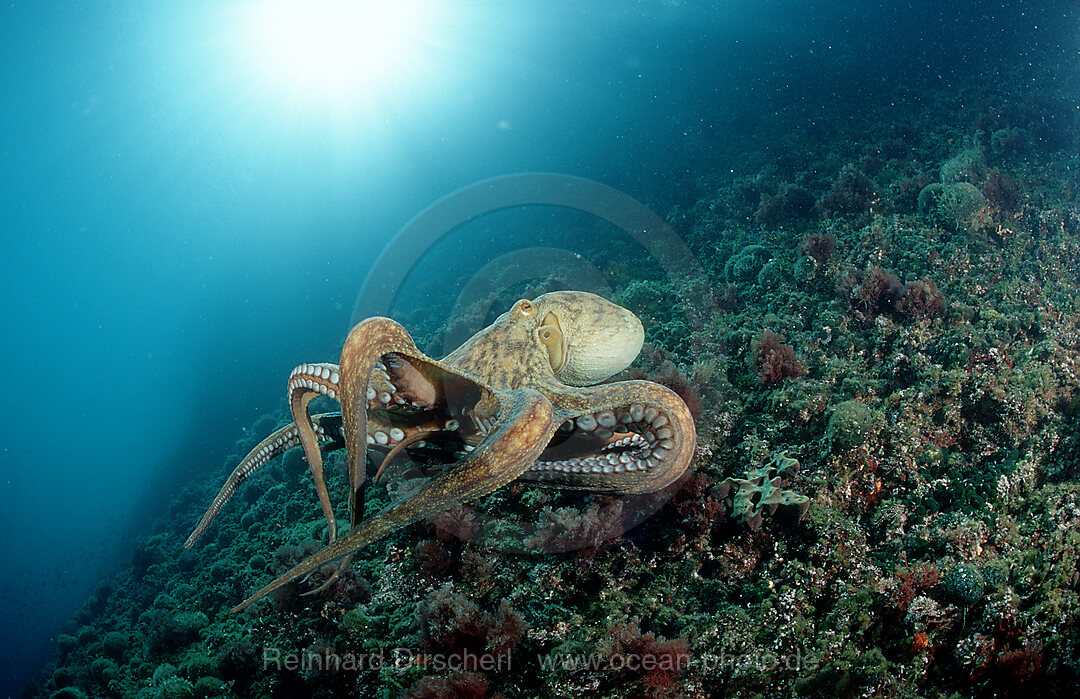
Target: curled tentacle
{"x":306,"y":382}
{"x":366,"y":343}
{"x":627,"y":437}
{"x":352,"y":385}
{"x":525,"y":426}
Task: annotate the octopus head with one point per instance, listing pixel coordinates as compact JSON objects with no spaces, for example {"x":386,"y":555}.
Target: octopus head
{"x":588,"y":338}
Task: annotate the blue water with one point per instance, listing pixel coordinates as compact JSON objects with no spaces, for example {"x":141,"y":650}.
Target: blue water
{"x":179,"y":232}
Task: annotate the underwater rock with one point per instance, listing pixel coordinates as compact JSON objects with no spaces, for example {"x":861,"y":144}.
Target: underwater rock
{"x":964,"y":584}
{"x":994,"y":574}
{"x":849,"y":425}
{"x":209,"y":687}
{"x":646,"y":297}
{"x":68,"y":693}
{"x":963,"y":205}
{"x":175,"y":688}
{"x":745,"y":265}
{"x":1012,"y":142}
{"x":115,"y":644}
{"x":104,"y":671}
{"x":763,"y":491}
{"x":929,"y":196}
{"x":958,"y":205}
{"x":772,"y":275}
{"x":966,"y":166}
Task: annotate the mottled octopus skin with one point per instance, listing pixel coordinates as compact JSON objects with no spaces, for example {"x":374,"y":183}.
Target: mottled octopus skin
{"x":500,"y":398}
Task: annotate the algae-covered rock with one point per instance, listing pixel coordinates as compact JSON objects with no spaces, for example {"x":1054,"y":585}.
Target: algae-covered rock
{"x":163,"y":672}
{"x":957,"y":205}
{"x":995,"y":574}
{"x":964,"y":584}
{"x":772,"y":275}
{"x":929,"y":197}
{"x":850,"y":425}
{"x":66,"y":643}
{"x":963,"y":205}
{"x":104,"y":671}
{"x":357,"y":622}
{"x":646,"y":297}
{"x":175,"y":688}
{"x":197,"y":664}
{"x":1010,"y":142}
{"x":115,"y":644}
{"x":746,"y":264}
{"x":966,"y":166}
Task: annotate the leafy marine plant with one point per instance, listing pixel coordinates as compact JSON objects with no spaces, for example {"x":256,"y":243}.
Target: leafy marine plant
{"x":764,"y":491}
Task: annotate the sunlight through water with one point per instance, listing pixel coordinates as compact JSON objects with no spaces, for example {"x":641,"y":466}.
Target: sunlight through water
{"x":334,"y":52}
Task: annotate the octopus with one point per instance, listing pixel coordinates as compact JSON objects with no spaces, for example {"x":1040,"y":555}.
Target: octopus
{"x":522,"y":400}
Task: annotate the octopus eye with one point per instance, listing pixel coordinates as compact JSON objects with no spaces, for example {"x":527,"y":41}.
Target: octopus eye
{"x":551,"y":336}
{"x":525,"y":307}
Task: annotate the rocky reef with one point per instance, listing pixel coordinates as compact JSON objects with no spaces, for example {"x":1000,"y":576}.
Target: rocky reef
{"x":894,"y":310}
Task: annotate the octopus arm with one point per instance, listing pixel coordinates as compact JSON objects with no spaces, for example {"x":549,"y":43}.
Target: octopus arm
{"x":628,"y":437}
{"x":503,"y":455}
{"x":326,"y":429}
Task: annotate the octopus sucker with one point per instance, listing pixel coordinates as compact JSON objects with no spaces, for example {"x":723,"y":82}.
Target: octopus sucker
{"x":523,"y":399}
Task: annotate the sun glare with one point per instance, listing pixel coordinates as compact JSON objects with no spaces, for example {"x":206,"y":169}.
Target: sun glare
{"x":335,"y":50}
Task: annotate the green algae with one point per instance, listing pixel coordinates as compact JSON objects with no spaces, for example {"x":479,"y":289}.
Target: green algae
{"x":850,"y":425}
